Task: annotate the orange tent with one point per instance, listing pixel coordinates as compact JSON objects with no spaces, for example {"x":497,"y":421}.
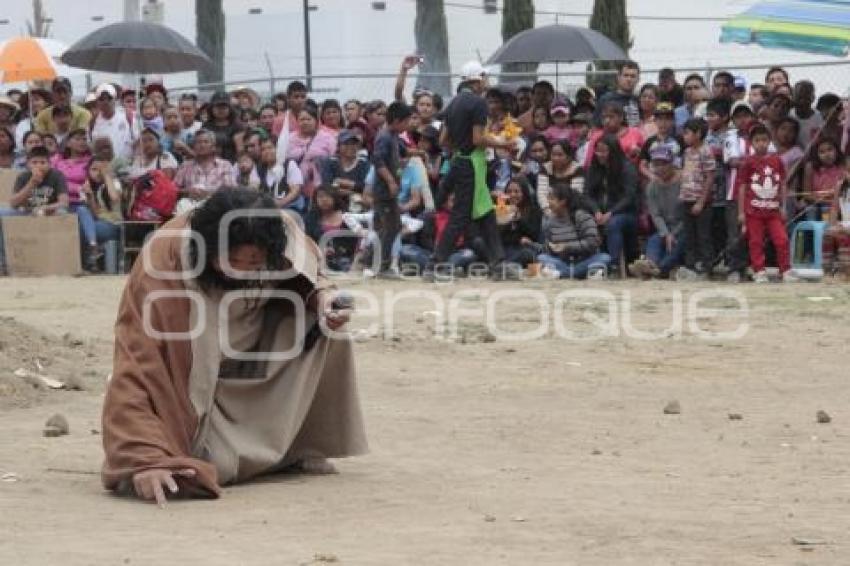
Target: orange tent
{"x":23,"y":59}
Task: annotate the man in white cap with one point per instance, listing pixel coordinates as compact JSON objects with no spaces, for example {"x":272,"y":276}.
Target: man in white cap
{"x":464,"y":125}
{"x":113,"y":125}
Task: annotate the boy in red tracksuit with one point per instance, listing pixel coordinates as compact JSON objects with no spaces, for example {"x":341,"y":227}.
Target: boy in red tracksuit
{"x":761,"y":194}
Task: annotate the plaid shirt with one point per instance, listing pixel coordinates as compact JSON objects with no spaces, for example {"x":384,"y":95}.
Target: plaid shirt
{"x":211,"y":178}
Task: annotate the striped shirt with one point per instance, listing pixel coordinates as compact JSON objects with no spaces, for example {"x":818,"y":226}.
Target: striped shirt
{"x":566,"y":239}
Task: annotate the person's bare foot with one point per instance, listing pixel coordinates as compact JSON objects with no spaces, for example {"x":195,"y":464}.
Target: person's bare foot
{"x":317,"y":466}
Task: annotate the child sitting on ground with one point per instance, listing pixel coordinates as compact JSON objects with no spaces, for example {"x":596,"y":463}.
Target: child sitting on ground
{"x":572,"y":239}
{"x":326,"y":221}
{"x":418,"y":253}
{"x":665,"y":248}
{"x":761,"y":198}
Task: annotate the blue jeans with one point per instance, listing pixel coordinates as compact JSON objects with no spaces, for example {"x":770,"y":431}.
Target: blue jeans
{"x":620,"y":228}
{"x":411,"y":253}
{"x":577,"y":270}
{"x":88,"y":230}
{"x":656,"y":251}
{"x":106,"y":231}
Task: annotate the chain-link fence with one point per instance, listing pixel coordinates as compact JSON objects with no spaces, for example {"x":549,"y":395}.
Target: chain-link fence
{"x":828,"y":76}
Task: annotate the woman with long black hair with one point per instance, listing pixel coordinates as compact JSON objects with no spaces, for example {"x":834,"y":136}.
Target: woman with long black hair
{"x":611,"y":194}
{"x":519,"y":224}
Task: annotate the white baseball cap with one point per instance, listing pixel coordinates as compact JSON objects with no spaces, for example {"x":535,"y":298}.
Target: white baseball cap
{"x":473,"y":71}
{"x":105,"y":88}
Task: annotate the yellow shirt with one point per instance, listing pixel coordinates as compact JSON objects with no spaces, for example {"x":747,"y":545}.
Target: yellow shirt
{"x":80,"y":118}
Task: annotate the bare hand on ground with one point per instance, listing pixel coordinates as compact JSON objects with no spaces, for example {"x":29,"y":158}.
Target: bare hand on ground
{"x":150,"y":484}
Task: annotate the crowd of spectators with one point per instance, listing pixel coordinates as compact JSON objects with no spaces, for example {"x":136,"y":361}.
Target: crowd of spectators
{"x":656,"y":180}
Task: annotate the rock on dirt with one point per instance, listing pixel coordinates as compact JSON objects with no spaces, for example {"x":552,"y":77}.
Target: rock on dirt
{"x":57,"y":425}
{"x":736,"y":417}
{"x":673,"y":408}
{"x":823,"y":417}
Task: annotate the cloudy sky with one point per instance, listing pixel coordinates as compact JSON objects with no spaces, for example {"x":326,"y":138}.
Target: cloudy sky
{"x":349,"y":37}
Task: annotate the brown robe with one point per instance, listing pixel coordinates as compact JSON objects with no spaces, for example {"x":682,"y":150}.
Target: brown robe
{"x":166,"y":407}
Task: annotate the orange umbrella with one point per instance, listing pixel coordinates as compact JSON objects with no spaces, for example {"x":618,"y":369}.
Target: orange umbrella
{"x":23,"y":59}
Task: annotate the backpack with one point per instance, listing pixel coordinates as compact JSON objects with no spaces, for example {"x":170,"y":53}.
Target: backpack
{"x":154,"y":197}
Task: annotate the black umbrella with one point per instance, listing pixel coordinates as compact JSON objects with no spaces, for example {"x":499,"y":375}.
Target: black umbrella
{"x":557,"y":44}
{"x":135,"y":47}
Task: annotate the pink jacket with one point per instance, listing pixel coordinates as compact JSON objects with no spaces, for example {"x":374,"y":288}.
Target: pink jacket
{"x":308,"y":153}
{"x":74,"y":170}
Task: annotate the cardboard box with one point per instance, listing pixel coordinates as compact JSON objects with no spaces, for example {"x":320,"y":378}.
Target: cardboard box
{"x":7,"y":183}
{"x":42,"y":245}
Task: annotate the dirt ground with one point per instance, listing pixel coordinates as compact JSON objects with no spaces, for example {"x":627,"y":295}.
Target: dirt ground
{"x":483,"y":450}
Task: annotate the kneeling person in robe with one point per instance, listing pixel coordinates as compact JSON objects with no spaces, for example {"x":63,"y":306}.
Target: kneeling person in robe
{"x":213,"y":380}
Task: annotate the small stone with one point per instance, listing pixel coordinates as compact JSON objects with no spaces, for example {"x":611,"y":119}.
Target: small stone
{"x":94,"y":432}
{"x":74,"y":383}
{"x":325,"y":557}
{"x":52,"y":431}
{"x":70,"y":341}
{"x":518,"y":519}
{"x":596,"y":452}
{"x":673,"y":408}
{"x":807,"y":541}
{"x":488,"y":337}
{"x":57,"y":425}
{"x":823,"y":417}
{"x":736,"y":417}
{"x":489,"y":518}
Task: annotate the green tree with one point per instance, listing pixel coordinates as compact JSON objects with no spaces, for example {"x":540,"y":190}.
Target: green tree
{"x":432,"y":43}
{"x":518,"y":16}
{"x":609,"y":18}
{"x":209,"y":35}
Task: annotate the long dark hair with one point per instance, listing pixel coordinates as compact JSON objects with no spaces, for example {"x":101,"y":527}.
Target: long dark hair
{"x":66,"y":147}
{"x":11,"y":137}
{"x":564,"y":192}
{"x":566,"y":147}
{"x":528,"y":202}
{"x":814,"y":156}
{"x":265,"y":232}
{"x":336,"y":196}
{"x":328,"y":104}
{"x":643,"y":89}
{"x":606,"y":176}
{"x":107,"y":200}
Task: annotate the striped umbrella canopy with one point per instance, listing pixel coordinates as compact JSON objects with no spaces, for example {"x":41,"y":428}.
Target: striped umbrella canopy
{"x":814,"y":26}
